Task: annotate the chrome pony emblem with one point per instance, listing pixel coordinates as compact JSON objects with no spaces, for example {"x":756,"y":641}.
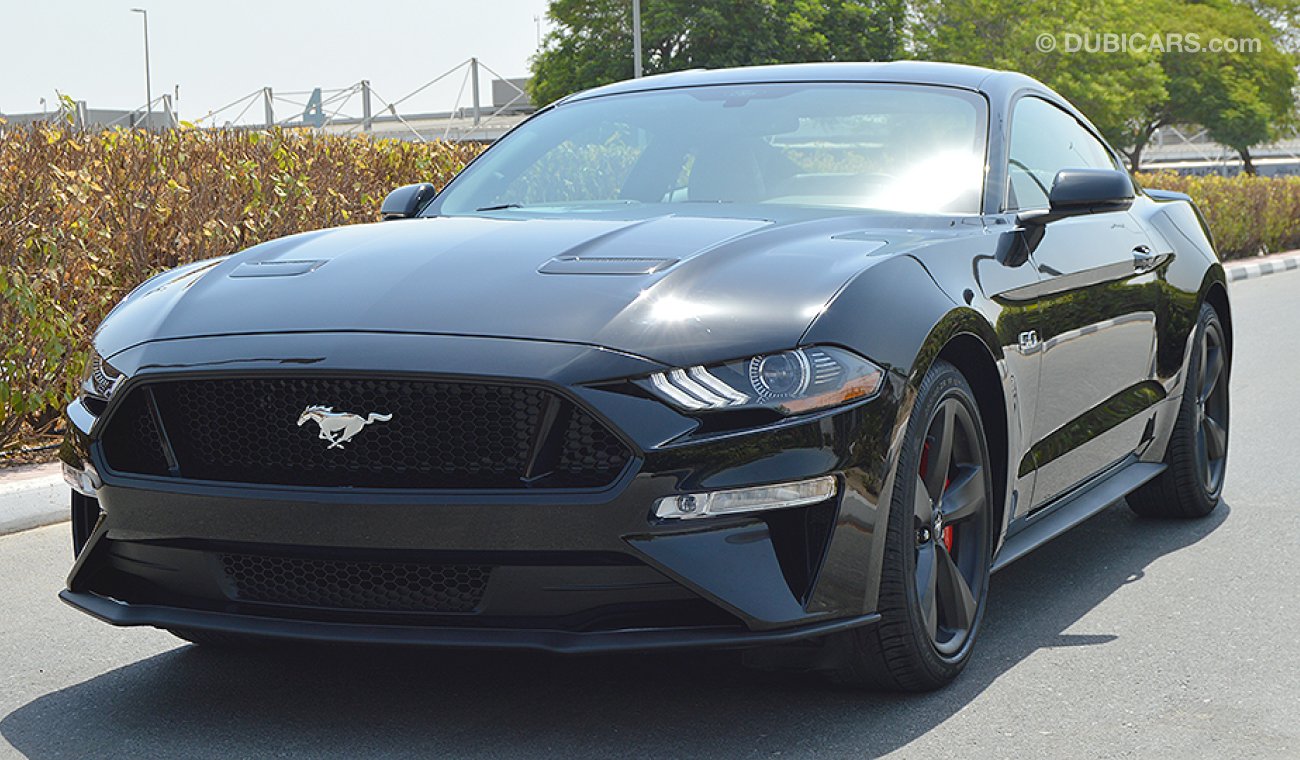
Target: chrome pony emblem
{"x":338,"y":427}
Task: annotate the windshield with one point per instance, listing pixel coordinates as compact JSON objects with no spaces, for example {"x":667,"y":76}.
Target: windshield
{"x":901,"y":148}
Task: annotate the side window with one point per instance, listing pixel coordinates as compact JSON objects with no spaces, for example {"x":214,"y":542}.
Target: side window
{"x":1045,"y":140}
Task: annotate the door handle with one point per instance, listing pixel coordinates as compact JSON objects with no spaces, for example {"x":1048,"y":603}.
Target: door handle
{"x":1144,"y":259}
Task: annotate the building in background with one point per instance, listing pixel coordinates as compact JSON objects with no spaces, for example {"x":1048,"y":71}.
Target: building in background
{"x":1188,"y":150}
{"x":328,"y":111}
{"x":81,"y":115}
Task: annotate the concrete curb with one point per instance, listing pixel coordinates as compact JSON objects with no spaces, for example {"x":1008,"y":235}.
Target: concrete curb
{"x":1245,"y":270}
{"x":31,"y":497}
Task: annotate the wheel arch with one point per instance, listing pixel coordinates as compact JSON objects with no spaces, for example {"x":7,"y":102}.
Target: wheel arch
{"x":1216,"y":295}
{"x":972,"y":357}
{"x":1213,"y":290}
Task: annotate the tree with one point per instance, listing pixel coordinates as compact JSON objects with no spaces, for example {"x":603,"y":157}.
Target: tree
{"x":1241,"y":98}
{"x":591,"y":43}
{"x":1122,"y":92}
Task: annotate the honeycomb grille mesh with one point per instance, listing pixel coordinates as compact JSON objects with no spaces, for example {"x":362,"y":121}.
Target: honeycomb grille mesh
{"x":353,"y":585}
{"x":438,"y":435}
{"x":589,"y":446}
{"x":134,"y":440}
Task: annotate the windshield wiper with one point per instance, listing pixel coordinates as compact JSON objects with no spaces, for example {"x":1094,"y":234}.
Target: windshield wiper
{"x":500,"y":206}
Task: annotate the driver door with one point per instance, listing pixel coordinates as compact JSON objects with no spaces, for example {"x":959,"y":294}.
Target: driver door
{"x":1096,"y":307}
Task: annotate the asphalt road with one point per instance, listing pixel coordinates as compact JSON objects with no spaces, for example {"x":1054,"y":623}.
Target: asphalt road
{"x":1125,"y":638}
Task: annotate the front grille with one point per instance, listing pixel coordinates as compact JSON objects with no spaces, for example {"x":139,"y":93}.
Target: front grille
{"x":352,"y":585}
{"x":437,"y":435}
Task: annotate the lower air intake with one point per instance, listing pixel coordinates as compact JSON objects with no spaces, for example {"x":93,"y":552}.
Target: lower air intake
{"x":354,"y":585}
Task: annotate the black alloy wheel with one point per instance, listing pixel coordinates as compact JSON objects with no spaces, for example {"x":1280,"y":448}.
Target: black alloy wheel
{"x":1197,"y":456}
{"x":952,"y":525}
{"x":1212,"y":409}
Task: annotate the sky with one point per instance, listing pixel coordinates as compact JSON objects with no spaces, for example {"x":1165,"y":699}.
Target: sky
{"x":220,"y":50}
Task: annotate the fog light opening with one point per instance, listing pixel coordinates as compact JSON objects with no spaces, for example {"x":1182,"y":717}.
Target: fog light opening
{"x":742,"y":500}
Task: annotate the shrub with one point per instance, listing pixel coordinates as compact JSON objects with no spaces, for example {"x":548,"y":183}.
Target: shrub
{"x":85,"y":216}
{"x":1247,"y":215}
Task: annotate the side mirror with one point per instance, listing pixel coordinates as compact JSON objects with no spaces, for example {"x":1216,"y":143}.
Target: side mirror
{"x":405,"y":202}
{"x":1075,"y":192}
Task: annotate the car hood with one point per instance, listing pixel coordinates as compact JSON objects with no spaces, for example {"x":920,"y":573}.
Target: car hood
{"x":675,"y":289}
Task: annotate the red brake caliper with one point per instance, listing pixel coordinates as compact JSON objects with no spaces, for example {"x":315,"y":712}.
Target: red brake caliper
{"x":925,"y":459}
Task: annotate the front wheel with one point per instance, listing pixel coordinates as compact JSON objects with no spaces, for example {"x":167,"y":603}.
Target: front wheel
{"x":938,"y":545}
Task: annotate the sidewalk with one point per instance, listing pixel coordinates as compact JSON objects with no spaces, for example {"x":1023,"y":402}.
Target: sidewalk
{"x":32,"y":496}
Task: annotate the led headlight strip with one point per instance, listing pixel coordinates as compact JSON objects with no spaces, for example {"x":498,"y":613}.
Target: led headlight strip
{"x":696,"y":389}
{"x":103,"y":378}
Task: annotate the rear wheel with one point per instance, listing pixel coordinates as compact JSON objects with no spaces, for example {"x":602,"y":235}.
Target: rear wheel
{"x":1197,"y":456}
{"x":938,"y":543}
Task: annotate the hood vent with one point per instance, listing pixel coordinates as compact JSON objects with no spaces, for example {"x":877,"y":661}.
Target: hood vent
{"x":275,"y":268}
{"x":605,"y":265}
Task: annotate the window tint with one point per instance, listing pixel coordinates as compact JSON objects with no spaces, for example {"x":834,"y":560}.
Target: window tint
{"x":1045,"y":140}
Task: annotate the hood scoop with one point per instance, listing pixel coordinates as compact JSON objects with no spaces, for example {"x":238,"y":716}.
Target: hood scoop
{"x":637,"y":248}
{"x":624,"y":265}
{"x":275,"y":268}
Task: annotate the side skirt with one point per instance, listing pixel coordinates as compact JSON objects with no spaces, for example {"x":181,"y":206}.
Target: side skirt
{"x":1075,"y":507}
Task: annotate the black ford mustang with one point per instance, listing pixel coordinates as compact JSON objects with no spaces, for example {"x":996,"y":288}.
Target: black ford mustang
{"x":790,"y":356}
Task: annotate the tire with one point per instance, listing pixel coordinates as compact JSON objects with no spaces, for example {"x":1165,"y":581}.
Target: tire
{"x":1197,"y":455}
{"x":920,"y":645}
{"x":218,"y":639}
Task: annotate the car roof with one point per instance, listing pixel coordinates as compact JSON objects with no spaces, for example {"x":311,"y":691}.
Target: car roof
{"x":974,"y":78}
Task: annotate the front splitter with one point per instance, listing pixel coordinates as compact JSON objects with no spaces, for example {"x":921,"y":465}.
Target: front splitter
{"x":560,"y":642}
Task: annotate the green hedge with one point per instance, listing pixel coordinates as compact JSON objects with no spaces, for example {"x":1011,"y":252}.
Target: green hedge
{"x":1247,"y":215}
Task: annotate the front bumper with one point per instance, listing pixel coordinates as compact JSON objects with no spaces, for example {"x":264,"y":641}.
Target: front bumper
{"x":572,"y":571}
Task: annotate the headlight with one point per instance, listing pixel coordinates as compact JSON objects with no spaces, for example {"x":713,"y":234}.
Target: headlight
{"x":101,"y":378}
{"x":790,"y":382}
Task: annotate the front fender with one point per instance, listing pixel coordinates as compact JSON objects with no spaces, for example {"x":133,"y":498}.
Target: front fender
{"x":886,"y":313}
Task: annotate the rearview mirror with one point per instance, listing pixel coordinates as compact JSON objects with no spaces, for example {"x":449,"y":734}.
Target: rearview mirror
{"x":407,"y":201}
